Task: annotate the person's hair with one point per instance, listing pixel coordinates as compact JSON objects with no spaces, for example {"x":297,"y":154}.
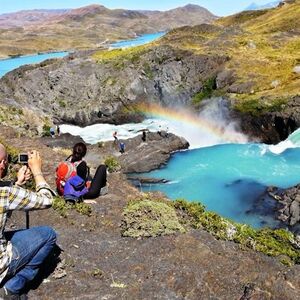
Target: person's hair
{"x":79,"y":151}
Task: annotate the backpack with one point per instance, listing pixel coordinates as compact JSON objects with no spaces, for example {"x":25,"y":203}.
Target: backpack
{"x":74,"y":189}
{"x":64,"y":171}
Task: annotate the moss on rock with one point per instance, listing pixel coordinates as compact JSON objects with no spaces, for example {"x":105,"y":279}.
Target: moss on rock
{"x":62,"y":207}
{"x":279,"y":242}
{"x":149,"y":218}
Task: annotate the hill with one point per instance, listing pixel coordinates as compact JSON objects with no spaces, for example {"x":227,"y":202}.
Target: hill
{"x":251,"y":59}
{"x":87,"y":27}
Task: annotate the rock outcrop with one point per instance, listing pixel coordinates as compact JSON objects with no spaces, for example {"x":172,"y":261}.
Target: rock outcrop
{"x":271,"y":127}
{"x":288,"y":209}
{"x":149,"y":155}
{"x":99,"y":263}
{"x":80,"y":91}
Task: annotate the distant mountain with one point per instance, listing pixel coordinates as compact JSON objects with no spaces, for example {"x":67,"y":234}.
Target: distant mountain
{"x":88,"y":27}
{"x":254,"y":6}
{"x":27,"y":17}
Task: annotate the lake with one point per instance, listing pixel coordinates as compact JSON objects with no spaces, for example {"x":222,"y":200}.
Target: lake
{"x":9,"y":64}
{"x":140,"y":40}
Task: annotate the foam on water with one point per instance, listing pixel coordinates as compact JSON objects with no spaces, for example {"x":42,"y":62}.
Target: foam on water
{"x":293,"y":141}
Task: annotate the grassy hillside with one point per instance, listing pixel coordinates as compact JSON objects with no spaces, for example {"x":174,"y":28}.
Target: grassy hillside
{"x":263,"y":48}
{"x":90,"y":27}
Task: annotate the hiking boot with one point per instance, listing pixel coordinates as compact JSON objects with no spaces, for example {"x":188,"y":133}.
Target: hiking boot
{"x":7,"y":295}
{"x":104,"y":190}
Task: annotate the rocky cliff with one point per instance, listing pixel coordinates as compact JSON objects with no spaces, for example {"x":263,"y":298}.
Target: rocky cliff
{"x":100,"y":89}
{"x":238,"y":57}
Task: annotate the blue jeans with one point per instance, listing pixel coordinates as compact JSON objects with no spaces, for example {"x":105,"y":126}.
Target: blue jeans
{"x":30,"y":249}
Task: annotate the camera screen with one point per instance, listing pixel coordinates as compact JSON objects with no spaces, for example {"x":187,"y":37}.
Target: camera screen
{"x":23,"y":158}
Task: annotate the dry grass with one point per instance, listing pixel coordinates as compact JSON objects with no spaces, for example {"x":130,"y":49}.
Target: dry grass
{"x":64,"y":151}
{"x":263,"y":47}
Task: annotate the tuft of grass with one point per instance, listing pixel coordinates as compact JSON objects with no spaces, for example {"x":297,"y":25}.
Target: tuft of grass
{"x":112,"y":164}
{"x":148,"y":71}
{"x":147,"y":218}
{"x":46,"y":130}
{"x":62,"y":207}
{"x":209,"y":87}
{"x":83,"y":208}
{"x":62,"y":103}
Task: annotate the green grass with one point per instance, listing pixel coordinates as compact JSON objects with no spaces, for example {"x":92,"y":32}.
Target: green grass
{"x":278,"y":243}
{"x":46,"y":130}
{"x":63,"y":207}
{"x":112,"y":164}
{"x":209,"y":87}
{"x":119,"y":56}
{"x":258,"y":106}
{"x":62,"y":103}
{"x":147,"y":217}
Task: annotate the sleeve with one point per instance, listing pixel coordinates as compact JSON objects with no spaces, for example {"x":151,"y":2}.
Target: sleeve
{"x":82,"y":170}
{"x":17,"y":198}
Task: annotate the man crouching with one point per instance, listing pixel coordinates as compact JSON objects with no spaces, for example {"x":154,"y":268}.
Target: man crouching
{"x":22,"y":252}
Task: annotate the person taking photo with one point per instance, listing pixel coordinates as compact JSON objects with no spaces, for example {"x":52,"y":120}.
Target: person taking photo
{"x":22,"y":252}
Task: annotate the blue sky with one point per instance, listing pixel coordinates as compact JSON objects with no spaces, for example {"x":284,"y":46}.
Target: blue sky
{"x":218,"y":7}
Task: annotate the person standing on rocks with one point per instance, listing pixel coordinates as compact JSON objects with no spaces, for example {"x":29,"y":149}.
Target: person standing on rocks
{"x":58,"y":130}
{"x":52,"y":132}
{"x":115,"y":137}
{"x":122,"y":147}
{"x":144,"y":136}
{"x":22,"y":252}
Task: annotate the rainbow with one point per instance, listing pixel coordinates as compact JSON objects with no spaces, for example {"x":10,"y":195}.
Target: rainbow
{"x":182,"y":115}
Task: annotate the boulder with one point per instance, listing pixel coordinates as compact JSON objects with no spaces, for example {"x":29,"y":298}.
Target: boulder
{"x":241,"y":88}
{"x":146,"y":156}
{"x":225,"y":78}
{"x":294,"y":213}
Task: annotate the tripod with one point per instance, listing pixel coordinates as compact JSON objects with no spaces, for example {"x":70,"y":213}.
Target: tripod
{"x":27,"y":219}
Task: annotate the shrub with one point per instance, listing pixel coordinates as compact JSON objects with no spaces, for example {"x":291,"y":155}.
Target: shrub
{"x":100,"y":144}
{"x":62,"y":103}
{"x":149,"y":218}
{"x":62,"y":207}
{"x":207,"y":91}
{"x":112,"y":164}
{"x":46,"y":130}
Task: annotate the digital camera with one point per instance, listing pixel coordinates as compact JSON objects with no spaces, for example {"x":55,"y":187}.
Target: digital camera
{"x":23,"y":158}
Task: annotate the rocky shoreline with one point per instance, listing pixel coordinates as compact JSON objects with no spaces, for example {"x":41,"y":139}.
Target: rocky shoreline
{"x":288,"y":208}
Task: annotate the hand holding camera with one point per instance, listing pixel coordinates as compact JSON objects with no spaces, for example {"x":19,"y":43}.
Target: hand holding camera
{"x":23,"y":176}
{"x":32,"y":164}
